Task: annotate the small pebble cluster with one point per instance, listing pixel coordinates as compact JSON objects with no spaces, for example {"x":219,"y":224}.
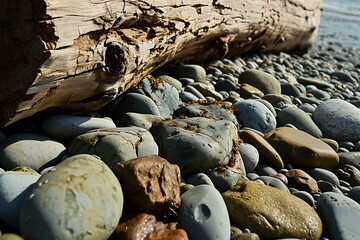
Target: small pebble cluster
{"x":262,"y":146}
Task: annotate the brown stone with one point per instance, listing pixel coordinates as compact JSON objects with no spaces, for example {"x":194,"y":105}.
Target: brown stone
{"x":270,"y":212}
{"x":247,"y":91}
{"x":146,"y":227}
{"x":150,"y":184}
{"x":301,"y":181}
{"x":301,"y":149}
{"x":267,"y":153}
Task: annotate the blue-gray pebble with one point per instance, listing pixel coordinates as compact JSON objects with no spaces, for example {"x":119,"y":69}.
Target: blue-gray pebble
{"x":203,"y":214}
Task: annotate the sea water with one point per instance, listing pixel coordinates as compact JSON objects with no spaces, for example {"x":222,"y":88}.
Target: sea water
{"x":340,"y":23}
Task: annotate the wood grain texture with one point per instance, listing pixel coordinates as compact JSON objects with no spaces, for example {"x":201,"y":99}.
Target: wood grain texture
{"x":79,"y":55}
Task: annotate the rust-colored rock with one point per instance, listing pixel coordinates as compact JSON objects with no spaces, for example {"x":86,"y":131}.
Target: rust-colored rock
{"x":150,"y":184}
{"x":146,"y":227}
{"x":300,"y":180}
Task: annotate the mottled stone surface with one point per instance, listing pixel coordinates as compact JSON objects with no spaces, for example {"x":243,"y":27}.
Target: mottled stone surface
{"x":150,"y":184}
{"x":270,"y":212}
{"x":196,"y":144}
{"x":301,"y":149}
{"x":72,"y":201}
{"x":302,"y":181}
{"x":338,"y":119}
{"x":146,"y":227}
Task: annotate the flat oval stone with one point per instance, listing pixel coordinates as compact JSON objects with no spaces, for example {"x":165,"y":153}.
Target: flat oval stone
{"x":31,"y":150}
{"x":265,"y":82}
{"x":325,"y":175}
{"x":193,"y":71}
{"x":351,"y":158}
{"x":253,"y":114}
{"x":273,"y":182}
{"x":270,"y":212}
{"x":207,"y":91}
{"x":354,"y":194}
{"x":67,"y":127}
{"x":340,"y":216}
{"x":267,"y":153}
{"x":203,"y":214}
{"x":306,"y":197}
{"x":338,"y":119}
{"x":198,"y":179}
{"x":196,"y":144}
{"x":299,"y":119}
{"x":301,"y":180}
{"x":301,"y":149}
{"x":72,"y":201}
{"x":115,"y":145}
{"x":15,"y":187}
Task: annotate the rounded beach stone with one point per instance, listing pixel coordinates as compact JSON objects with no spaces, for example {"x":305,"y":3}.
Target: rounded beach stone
{"x":172,"y":81}
{"x":267,"y":153}
{"x":249,"y":155}
{"x":139,"y":120}
{"x":332,"y":143}
{"x":302,"y":181}
{"x":273,"y":182}
{"x":203,"y":214}
{"x":196,"y":144}
{"x":10,"y":236}
{"x":134,"y":102}
{"x":350,"y":174}
{"x":207,"y":91}
{"x":270,"y":212}
{"x":265,"y":170}
{"x":165,"y":96}
{"x":253,"y":114}
{"x":305,"y":196}
{"x":207,"y":109}
{"x":225,"y":177}
{"x":72,"y":201}
{"x":325,"y":175}
{"x":198,"y":179}
{"x":31,"y":150}
{"x":302,"y":150}
{"x":15,"y":187}
{"x":340,"y":216}
{"x":67,"y":127}
{"x":265,"y":82}
{"x":187,"y":97}
{"x":354,"y":194}
{"x":338,"y":119}
{"x":150,"y":184}
{"x":351,"y":158}
{"x":115,"y":145}
{"x":193,"y":71}
{"x":299,"y":119}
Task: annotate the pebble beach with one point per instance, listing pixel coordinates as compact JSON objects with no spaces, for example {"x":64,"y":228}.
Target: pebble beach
{"x":260,"y":146}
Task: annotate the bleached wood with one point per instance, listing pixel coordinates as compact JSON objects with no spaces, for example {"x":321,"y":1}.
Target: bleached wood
{"x":78,"y":55}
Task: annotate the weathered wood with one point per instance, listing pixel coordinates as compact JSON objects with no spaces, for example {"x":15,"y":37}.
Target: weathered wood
{"x":78,"y":55}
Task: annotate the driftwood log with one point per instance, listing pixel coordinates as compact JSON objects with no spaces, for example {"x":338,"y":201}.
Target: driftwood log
{"x":79,"y":55}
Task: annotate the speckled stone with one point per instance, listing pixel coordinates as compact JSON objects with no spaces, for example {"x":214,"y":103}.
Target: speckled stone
{"x":72,"y":201}
{"x":301,"y":149}
{"x":31,"y":150}
{"x":225,"y":177}
{"x":253,"y":114}
{"x":196,"y":144}
{"x":340,"y":216}
{"x":203,"y":214}
{"x":165,"y":95}
{"x":270,"y":212}
{"x":67,"y":127}
{"x":15,"y":187}
{"x":265,"y":82}
{"x":338,"y":119}
{"x":115,"y":145}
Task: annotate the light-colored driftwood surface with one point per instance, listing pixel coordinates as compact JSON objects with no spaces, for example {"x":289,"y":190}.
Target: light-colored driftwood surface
{"x":79,"y":54}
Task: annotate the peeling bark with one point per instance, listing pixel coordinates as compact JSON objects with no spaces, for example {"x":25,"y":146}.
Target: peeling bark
{"x":79,"y":55}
